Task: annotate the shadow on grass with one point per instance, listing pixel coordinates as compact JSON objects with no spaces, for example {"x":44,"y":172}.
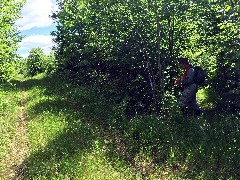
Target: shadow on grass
{"x":28,"y":84}
{"x":55,"y":157}
{"x":77,"y":139}
{"x":91,"y":120}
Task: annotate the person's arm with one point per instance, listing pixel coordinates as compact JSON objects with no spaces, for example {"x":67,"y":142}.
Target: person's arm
{"x":189,"y":78}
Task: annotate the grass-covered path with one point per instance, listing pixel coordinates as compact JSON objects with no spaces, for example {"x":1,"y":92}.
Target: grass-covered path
{"x":17,"y":147}
{"x":52,"y":137}
{"x":55,"y":130}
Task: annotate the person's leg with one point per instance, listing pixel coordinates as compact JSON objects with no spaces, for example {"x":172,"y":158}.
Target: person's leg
{"x":188,"y":99}
{"x":195,"y":106}
{"x":184,"y":101}
{"x":184,"y":98}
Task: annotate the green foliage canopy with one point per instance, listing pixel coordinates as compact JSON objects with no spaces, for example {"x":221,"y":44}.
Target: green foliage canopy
{"x":128,"y":48}
{"x":9,"y":37}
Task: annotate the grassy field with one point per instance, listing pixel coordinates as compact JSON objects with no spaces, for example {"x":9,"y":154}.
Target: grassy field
{"x":13,"y":142}
{"x":61,"y":131}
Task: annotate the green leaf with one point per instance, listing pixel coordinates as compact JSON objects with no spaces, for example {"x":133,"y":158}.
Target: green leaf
{"x":227,"y":8}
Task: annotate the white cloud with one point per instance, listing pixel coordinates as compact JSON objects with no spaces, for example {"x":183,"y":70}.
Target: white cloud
{"x":25,"y":55}
{"x":36,"y":41}
{"x":35,"y":13}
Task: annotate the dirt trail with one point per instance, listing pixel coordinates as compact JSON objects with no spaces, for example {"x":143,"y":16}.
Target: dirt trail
{"x":18,"y":149}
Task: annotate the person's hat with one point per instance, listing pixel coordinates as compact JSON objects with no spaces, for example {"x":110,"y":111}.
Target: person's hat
{"x":183,"y":60}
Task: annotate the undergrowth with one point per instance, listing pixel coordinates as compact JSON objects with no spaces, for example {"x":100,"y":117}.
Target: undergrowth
{"x":76,"y":133}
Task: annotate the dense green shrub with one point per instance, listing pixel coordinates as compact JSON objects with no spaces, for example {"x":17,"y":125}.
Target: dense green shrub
{"x":9,"y":69}
{"x":128,"y":48}
{"x":38,"y":62}
{"x":50,"y":63}
{"x":35,"y":62}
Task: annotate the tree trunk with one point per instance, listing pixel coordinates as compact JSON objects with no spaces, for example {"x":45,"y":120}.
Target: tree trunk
{"x":160,"y":68}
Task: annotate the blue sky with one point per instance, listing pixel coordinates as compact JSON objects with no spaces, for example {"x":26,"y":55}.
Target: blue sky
{"x":36,"y":26}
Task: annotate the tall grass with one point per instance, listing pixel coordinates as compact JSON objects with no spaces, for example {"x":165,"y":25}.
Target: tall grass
{"x":9,"y":106}
{"x":77,"y":133}
{"x":64,"y":141}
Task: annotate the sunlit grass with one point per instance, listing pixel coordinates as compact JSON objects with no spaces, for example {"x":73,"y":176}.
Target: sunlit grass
{"x":9,"y":105}
{"x":63,"y":142}
{"x":74,"y":133}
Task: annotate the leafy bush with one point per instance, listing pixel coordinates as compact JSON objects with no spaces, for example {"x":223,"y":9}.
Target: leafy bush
{"x":35,"y":61}
{"x":50,"y":63}
{"x":9,"y":69}
{"x":118,"y":47}
{"x":38,"y":62}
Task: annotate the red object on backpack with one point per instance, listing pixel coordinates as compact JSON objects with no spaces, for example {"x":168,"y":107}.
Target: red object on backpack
{"x":185,"y":75}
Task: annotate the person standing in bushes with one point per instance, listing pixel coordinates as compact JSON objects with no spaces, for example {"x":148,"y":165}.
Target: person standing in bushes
{"x":189,"y":88}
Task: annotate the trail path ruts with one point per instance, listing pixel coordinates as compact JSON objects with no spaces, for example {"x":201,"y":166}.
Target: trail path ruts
{"x":18,"y":148}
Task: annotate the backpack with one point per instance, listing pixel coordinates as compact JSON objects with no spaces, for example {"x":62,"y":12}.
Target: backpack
{"x":200,"y":75}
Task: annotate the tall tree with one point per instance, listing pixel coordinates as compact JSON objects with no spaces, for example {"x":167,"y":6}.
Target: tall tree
{"x":129,"y":47}
{"x":35,"y":62}
{"x":9,"y":37}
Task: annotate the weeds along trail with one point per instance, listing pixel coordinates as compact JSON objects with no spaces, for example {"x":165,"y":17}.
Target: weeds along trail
{"x":18,"y":147}
{"x":71,"y":132}
{"x":65,"y":141}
